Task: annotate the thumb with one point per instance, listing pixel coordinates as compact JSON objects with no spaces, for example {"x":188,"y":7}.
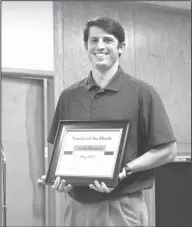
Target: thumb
{"x":122,"y":174}
{"x":43,"y":177}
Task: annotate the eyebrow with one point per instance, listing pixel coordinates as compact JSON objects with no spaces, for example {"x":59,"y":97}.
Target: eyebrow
{"x":92,"y":37}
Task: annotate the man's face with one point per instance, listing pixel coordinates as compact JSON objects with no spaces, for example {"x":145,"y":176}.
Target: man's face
{"x":103,"y":49}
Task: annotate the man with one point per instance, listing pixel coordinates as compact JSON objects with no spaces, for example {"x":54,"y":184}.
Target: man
{"x":109,"y":93}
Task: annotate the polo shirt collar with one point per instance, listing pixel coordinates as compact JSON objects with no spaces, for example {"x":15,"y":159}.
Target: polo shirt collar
{"x":113,"y":85}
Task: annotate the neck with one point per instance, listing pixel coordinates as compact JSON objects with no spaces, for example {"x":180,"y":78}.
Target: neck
{"x":102,"y":78}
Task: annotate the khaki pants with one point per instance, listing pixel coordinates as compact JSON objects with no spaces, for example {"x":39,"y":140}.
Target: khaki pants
{"x":126,"y":211}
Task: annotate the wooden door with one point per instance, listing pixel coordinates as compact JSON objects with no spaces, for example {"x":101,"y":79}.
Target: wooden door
{"x":23,"y":142}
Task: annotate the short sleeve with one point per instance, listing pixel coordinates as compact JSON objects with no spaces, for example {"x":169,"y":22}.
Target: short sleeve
{"x":58,"y":115}
{"x":155,"y":128}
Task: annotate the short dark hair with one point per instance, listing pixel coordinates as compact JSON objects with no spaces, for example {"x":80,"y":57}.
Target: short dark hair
{"x":107,"y":24}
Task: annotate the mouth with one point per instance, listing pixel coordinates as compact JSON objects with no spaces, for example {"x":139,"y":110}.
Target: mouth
{"x":101,"y":55}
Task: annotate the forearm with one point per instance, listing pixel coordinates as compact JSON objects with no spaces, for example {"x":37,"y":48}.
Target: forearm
{"x":154,"y":158}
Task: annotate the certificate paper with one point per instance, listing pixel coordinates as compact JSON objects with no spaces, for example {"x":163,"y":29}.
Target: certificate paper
{"x":87,"y":152}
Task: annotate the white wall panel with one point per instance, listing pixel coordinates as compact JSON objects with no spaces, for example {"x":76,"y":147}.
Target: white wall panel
{"x":27,"y":34}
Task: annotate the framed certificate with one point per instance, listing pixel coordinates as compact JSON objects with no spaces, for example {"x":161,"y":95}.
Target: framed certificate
{"x":85,"y":151}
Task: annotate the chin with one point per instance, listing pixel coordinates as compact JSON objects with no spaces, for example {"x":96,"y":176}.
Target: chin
{"x":102,"y":67}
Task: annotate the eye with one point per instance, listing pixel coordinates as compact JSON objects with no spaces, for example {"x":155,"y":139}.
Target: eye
{"x":93,"y":40}
{"x":108,"y":40}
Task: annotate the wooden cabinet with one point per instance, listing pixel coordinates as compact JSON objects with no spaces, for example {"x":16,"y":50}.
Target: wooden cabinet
{"x":174,"y":195}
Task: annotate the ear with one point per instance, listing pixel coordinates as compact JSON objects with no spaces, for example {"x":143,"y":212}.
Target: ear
{"x":121,"y":47}
{"x":85,"y":45}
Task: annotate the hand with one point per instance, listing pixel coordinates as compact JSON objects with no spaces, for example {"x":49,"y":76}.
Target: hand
{"x":122,"y":174}
{"x":102,"y":187}
{"x":42,"y":179}
{"x":61,"y":186}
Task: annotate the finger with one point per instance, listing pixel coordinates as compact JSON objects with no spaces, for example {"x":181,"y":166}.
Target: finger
{"x":62,"y":185}
{"x":98,"y":186}
{"x":105,"y":188}
{"x":91,"y":186}
{"x":68,"y":188}
{"x":122,"y":174}
{"x":43,"y":177}
{"x":56,"y":183}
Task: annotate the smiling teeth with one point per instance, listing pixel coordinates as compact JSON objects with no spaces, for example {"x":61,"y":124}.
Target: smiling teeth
{"x":100,"y":54}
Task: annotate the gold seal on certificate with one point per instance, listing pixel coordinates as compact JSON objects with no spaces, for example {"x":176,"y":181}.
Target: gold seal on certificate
{"x":85,"y":151}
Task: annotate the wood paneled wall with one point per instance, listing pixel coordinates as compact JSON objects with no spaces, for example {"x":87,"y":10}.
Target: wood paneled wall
{"x":163,"y":59}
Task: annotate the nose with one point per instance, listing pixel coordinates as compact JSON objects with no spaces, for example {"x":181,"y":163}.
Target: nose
{"x":100,"y":44}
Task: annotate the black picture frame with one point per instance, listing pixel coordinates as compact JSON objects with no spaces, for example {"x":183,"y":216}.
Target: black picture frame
{"x":78,"y":126}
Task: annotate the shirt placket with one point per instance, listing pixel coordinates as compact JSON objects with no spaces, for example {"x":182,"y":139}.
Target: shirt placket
{"x":95,"y":102}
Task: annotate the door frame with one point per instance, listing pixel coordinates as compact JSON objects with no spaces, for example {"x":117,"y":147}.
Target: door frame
{"x":48,"y":80}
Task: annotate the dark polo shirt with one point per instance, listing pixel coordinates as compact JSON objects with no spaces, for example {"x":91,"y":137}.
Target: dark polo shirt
{"x":127,"y":98}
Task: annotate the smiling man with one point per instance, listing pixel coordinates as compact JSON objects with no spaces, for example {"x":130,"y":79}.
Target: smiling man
{"x":108,"y":93}
{"x":104,"y":50}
